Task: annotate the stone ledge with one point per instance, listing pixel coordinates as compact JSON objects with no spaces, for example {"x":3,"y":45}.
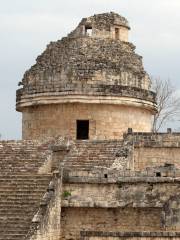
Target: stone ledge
{"x":55,"y":98}
{"x":154,"y":140}
{"x":112,"y":90}
{"x":111,"y":180}
{"x":129,"y":234}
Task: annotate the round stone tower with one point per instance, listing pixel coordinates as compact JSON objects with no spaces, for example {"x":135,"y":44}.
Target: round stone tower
{"x":89,"y":85}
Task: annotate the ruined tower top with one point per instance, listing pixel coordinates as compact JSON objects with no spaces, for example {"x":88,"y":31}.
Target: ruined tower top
{"x":94,"y":66}
{"x":106,"y":25}
{"x":94,"y":58}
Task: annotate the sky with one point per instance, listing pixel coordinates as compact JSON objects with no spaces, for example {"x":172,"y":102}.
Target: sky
{"x":26,"y":27}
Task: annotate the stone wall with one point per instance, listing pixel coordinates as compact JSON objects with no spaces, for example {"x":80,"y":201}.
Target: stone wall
{"x":156,"y":194}
{"x":78,"y":219}
{"x":145,"y":157}
{"x":106,"y":121}
{"x":122,"y":194}
{"x":93,"y":235}
{"x":153,"y":150}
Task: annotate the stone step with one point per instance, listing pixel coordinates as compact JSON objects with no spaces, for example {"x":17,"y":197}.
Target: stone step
{"x":12,"y":237}
{"x":87,"y":154}
{"x":21,"y":188}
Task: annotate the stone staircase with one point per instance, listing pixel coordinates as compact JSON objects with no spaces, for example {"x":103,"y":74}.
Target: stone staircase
{"x":88,"y":154}
{"x":21,"y":156}
{"x":21,"y":187}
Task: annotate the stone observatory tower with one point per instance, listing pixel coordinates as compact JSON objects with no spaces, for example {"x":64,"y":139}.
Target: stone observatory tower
{"x":88,"y":85}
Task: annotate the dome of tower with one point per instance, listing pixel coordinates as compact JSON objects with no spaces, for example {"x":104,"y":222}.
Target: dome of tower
{"x":83,"y":64}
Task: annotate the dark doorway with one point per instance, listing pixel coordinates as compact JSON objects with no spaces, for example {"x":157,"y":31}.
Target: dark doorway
{"x":82,"y":131}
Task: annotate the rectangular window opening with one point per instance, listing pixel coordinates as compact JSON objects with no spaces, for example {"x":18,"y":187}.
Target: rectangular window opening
{"x":117,"y":33}
{"x":158,"y":174}
{"x":88,"y":31}
{"x":82,"y":131}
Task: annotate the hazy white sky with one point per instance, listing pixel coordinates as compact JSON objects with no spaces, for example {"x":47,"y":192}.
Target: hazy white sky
{"x":26,"y":27}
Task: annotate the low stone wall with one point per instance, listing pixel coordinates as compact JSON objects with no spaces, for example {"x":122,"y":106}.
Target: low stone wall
{"x":155,"y":149}
{"x":124,"y":193}
{"x":146,"y":157}
{"x":85,"y":235}
{"x":150,"y":139}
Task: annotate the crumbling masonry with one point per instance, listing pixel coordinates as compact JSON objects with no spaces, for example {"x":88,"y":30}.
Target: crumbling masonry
{"x":89,"y":167}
